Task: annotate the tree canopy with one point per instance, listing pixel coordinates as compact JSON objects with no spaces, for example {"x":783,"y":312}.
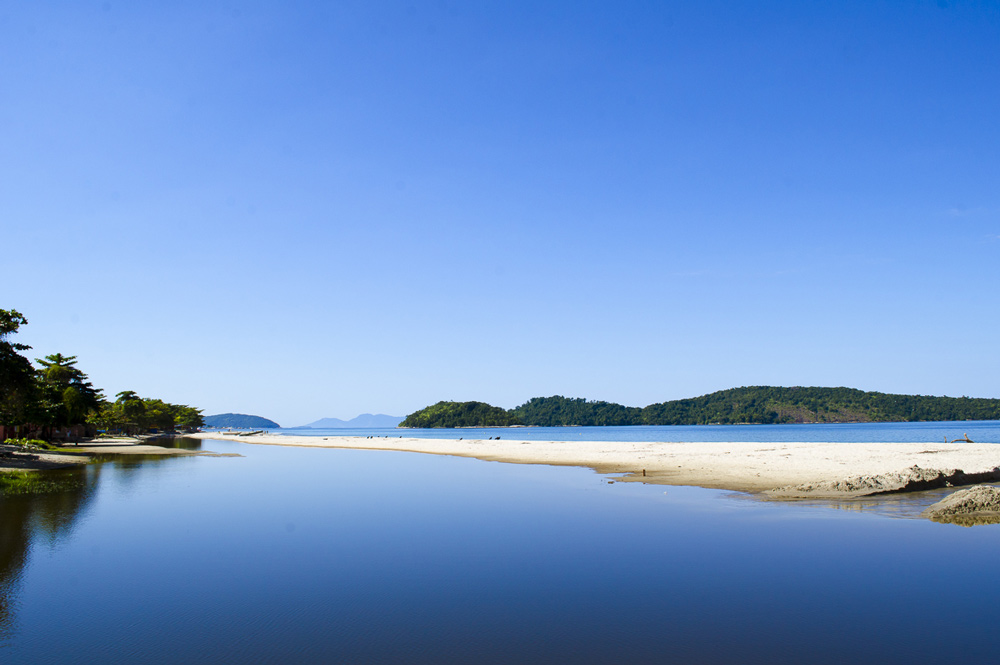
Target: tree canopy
{"x":17,"y":376}
{"x":67,"y":394}
{"x":57,"y":393}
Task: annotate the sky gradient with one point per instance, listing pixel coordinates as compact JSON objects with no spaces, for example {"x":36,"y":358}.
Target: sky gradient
{"x":305,"y":210}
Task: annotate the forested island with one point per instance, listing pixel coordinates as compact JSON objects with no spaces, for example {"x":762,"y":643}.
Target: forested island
{"x":461,"y":414}
{"x":239,"y":421}
{"x":56,"y":400}
{"x":768,"y":405}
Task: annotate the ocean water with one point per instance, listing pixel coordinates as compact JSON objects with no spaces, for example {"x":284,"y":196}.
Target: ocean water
{"x":980,"y":431}
{"x":321,"y":555}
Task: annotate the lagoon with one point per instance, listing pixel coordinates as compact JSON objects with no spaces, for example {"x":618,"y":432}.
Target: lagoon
{"x":328,"y":555}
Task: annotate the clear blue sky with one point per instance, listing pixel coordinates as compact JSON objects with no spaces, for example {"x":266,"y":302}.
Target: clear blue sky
{"x":303,"y":210}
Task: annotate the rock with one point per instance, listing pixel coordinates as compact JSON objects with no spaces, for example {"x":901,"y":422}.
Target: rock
{"x":975,"y":505}
{"x":912,"y":479}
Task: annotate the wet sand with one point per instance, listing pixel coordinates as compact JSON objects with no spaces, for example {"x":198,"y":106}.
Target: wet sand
{"x":784,"y":470}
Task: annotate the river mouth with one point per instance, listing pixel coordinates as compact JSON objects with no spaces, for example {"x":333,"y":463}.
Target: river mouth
{"x":324,"y":555}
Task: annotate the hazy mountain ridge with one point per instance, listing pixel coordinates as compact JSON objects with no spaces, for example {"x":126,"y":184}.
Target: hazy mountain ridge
{"x":365,"y":420}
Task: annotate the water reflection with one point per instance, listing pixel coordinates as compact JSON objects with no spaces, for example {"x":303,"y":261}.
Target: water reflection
{"x":324,"y":555}
{"x":975,"y":519}
{"x":50,"y":517}
{"x":182,"y":442}
{"x":47,"y":517}
{"x":904,"y":505}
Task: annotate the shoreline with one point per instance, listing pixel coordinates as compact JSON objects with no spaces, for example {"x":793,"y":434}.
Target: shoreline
{"x":72,"y":455}
{"x":773,"y":470}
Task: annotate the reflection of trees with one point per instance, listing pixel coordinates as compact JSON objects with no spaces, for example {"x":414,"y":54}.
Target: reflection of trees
{"x":184,"y":442}
{"x":23,"y":519}
{"x":127,"y":469}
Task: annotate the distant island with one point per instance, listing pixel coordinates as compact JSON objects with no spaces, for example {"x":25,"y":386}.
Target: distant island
{"x":768,"y":405}
{"x":364,"y":421}
{"x":461,"y":414}
{"x":240,"y":421}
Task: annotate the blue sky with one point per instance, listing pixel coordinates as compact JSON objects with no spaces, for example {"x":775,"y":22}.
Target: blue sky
{"x":303,"y":210}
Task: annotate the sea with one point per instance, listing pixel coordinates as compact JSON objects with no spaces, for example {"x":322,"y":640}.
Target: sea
{"x":274,"y":554}
{"x":980,"y":431}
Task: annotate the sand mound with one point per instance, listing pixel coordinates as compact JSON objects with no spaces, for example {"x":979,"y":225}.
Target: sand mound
{"x":975,"y":505}
{"x":912,"y":479}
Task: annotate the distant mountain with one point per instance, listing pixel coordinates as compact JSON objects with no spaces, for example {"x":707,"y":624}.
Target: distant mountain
{"x":365,"y":420}
{"x":239,"y":421}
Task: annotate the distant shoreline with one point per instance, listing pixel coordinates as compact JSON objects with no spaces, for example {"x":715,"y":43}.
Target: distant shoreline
{"x":777,"y":470}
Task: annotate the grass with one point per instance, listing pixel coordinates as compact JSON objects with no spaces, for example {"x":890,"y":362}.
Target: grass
{"x":28,"y":444}
{"x":20,"y":483}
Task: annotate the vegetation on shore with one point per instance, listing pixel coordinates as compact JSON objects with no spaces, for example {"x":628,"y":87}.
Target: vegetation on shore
{"x":57,"y":394}
{"x":748,"y":405}
{"x":21,"y":483}
{"x":30,"y":444}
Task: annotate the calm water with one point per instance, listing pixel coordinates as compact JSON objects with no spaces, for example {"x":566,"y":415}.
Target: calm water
{"x":980,"y":431}
{"x":321,"y":555}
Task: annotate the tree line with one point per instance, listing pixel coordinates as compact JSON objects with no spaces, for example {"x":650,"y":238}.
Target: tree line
{"x":769,"y":405}
{"x":56,"y":394}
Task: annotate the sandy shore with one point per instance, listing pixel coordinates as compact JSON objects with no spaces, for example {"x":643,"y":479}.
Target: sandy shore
{"x":784,"y":470}
{"x":13,"y":458}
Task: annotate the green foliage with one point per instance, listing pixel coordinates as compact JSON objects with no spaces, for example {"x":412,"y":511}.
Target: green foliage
{"x":460,"y":414}
{"x":14,"y":483}
{"x":17,"y":376}
{"x":770,"y":405}
{"x":559,"y":411}
{"x":750,"y":405}
{"x":66,"y":394}
{"x":29,"y":443}
{"x":59,"y":394}
{"x":133,"y":414}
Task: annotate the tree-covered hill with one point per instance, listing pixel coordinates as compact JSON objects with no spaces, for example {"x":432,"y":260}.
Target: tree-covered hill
{"x":769,"y":404}
{"x":754,"y":404}
{"x":239,"y":421}
{"x":559,"y":411}
{"x":460,"y":414}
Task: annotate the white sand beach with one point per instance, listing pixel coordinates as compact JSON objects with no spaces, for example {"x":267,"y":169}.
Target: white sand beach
{"x":784,"y":470}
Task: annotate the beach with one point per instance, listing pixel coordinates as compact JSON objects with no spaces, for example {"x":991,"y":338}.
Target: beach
{"x":15,"y":458}
{"x":778,"y":470}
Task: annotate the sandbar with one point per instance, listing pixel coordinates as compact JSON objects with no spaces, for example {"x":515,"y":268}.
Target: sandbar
{"x":780,"y":470}
{"x":14,"y":458}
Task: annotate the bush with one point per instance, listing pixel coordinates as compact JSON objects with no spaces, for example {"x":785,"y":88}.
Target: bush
{"x":30,"y":443}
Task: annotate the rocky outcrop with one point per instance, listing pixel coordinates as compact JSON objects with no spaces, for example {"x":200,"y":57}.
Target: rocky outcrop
{"x":968,"y":507}
{"x":912,"y":479}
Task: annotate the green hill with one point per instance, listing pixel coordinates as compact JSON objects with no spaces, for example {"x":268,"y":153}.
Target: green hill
{"x":239,"y":421}
{"x":748,"y":405}
{"x":768,"y":404}
{"x":460,"y":414}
